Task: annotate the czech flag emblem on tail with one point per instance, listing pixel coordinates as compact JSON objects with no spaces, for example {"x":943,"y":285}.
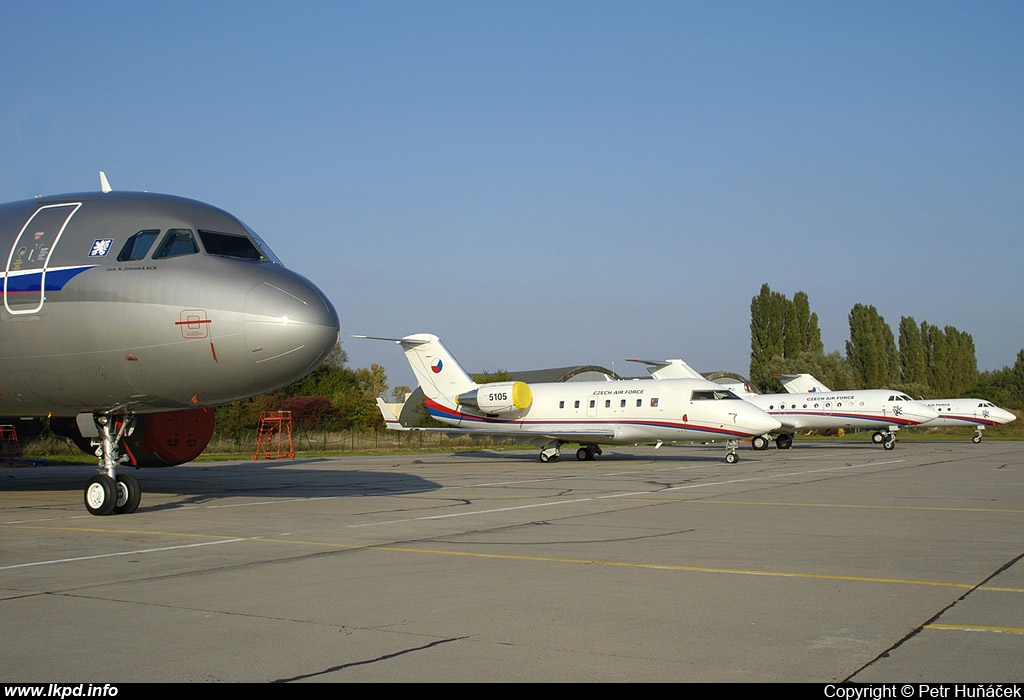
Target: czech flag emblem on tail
{"x":435,"y":366}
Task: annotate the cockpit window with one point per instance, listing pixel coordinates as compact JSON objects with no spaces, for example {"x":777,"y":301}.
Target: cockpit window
{"x":178,"y":241}
{"x":136,"y":247}
{"x":262,"y":245}
{"x":231,"y":245}
{"x":713,"y":395}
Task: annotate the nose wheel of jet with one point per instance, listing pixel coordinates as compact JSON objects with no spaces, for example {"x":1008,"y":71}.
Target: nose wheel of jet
{"x":109,"y":492}
{"x":731,"y":456}
{"x":885,"y":438}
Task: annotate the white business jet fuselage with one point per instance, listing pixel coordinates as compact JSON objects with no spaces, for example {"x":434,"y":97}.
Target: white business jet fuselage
{"x":951,"y":413}
{"x":881,"y":410}
{"x":589,"y":413}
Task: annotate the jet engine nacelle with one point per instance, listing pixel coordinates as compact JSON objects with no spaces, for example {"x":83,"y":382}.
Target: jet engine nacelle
{"x":169,"y":438}
{"x":500,"y":397}
{"x":157,"y":439}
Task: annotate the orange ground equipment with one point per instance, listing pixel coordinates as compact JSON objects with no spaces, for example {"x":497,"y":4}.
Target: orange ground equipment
{"x":274,"y":436}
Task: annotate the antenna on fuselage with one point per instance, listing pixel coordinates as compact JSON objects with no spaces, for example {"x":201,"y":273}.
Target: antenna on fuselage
{"x":104,"y":183}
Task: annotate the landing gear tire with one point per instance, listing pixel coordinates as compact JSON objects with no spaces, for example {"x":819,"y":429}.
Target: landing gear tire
{"x":890,"y":441}
{"x":877,"y":438}
{"x":784,"y":441}
{"x":759,"y":443}
{"x":976,"y":439}
{"x":101,"y":495}
{"x":128,"y":494}
{"x":732,"y":458}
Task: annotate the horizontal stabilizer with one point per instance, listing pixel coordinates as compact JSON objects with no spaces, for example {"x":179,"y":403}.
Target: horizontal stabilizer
{"x":389,"y":417}
{"x":670,"y":369}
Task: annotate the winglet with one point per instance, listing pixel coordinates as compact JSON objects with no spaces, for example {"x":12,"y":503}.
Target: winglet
{"x":389,"y":417}
{"x":104,"y":183}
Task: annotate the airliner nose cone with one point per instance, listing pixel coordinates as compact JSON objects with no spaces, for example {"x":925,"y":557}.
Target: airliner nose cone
{"x":290,"y":327}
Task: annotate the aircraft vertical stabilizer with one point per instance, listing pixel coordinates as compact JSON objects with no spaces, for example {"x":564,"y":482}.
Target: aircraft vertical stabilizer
{"x":439,"y":375}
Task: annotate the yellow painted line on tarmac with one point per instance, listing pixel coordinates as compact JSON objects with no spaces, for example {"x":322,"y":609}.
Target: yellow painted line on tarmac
{"x":944,"y":509}
{"x":701,"y":569}
{"x":976,"y":628}
{"x":210,"y":540}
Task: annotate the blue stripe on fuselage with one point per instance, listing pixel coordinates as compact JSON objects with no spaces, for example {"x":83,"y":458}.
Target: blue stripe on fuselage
{"x":31,"y":280}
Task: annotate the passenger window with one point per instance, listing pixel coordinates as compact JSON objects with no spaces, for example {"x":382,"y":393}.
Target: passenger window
{"x":607,"y":403}
{"x":561,"y":404}
{"x":577,"y":404}
{"x":639,"y":403}
{"x":136,"y":247}
{"x":178,"y":241}
{"x":622,"y":404}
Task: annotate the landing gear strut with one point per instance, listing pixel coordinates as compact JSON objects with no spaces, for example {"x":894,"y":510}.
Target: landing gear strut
{"x":109,"y":492}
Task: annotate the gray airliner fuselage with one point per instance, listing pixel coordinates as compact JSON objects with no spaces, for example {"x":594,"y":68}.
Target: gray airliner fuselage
{"x":127,"y":310}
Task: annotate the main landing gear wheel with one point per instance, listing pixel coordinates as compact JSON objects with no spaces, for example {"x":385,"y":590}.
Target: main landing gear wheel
{"x":759,"y":443}
{"x":878,"y":438}
{"x":784,"y":441}
{"x":128,"y":494}
{"x":588,"y":453}
{"x":101,"y":495}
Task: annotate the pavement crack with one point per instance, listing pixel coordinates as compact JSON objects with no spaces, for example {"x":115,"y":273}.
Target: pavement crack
{"x":384,"y":657}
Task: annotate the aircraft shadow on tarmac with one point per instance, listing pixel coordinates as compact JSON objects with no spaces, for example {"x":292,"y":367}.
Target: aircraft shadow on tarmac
{"x":201,"y":483}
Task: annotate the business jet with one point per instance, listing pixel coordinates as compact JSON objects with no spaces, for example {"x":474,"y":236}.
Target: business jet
{"x":592,"y":414}
{"x":952,"y":413}
{"x":128,"y":316}
{"x":882,"y":410}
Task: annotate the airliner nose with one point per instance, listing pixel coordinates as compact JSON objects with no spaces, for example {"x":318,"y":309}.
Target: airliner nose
{"x":290,"y":327}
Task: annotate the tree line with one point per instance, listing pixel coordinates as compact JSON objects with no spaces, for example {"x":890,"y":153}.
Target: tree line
{"x":927,"y":362}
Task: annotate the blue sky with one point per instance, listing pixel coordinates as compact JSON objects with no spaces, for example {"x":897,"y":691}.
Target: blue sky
{"x":554,"y":183}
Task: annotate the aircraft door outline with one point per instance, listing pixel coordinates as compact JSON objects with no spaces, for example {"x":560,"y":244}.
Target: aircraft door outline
{"x":32,"y":253}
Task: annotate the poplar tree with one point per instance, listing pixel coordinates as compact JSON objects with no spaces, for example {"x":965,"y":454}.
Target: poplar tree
{"x":767,"y":324}
{"x":913,"y":368}
{"x":871,"y":349}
